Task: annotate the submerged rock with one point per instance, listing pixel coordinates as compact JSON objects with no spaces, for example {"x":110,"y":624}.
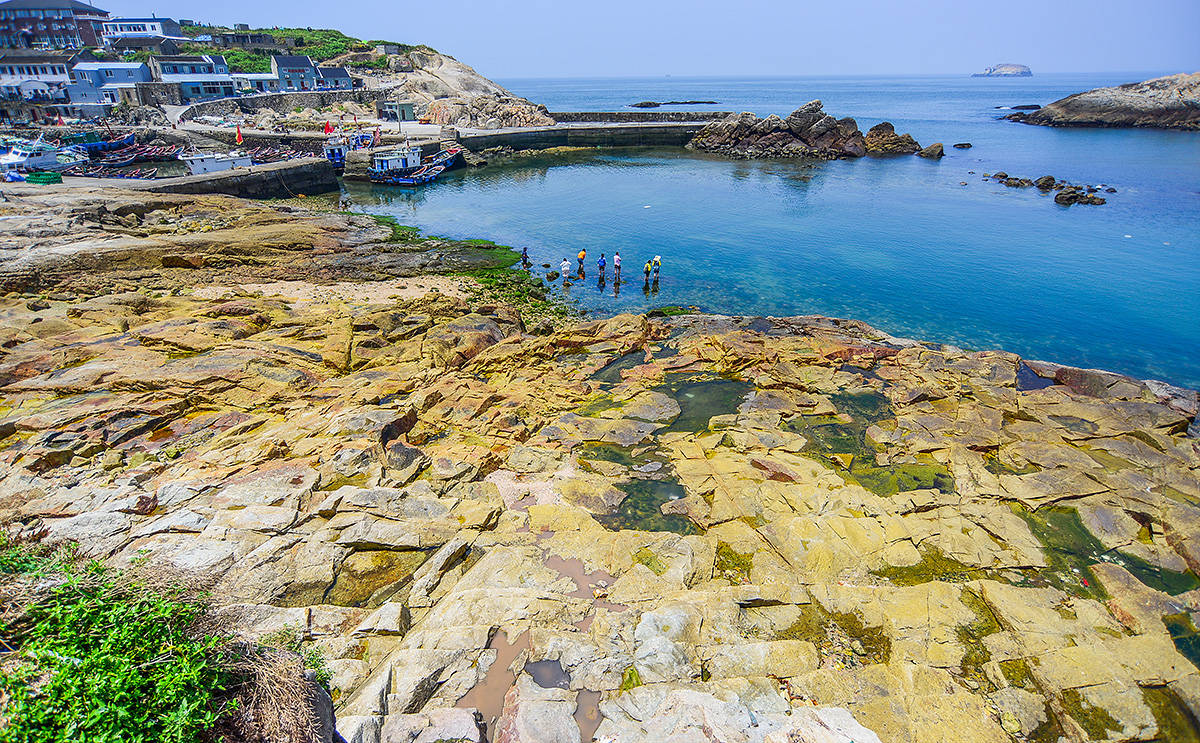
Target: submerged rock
{"x":1171,"y":102}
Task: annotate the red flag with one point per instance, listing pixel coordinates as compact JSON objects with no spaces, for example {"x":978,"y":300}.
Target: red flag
{"x":60,"y":121}
{"x":239,"y":134}
{"x":328,"y":128}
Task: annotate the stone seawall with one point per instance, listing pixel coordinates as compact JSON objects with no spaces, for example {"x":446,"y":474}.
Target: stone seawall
{"x":632,"y":135}
{"x":310,"y":175}
{"x":627,"y":117}
{"x":280,"y":102}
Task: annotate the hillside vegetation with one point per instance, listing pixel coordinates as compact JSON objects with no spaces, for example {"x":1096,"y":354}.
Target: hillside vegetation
{"x":321,"y":44}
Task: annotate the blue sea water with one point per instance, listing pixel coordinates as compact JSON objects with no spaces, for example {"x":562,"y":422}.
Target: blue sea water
{"x":897,"y":242}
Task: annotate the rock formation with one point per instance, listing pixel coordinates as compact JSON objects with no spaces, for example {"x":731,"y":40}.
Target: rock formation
{"x":1005,"y":70}
{"x":1171,"y":102}
{"x":451,"y":93}
{"x":882,"y":139}
{"x":807,"y":132}
{"x":712,"y":528}
{"x":934,"y":151}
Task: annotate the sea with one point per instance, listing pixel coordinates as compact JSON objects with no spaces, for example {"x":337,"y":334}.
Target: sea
{"x":918,"y":248}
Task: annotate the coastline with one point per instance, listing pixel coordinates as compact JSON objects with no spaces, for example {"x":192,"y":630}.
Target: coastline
{"x":779,"y":513}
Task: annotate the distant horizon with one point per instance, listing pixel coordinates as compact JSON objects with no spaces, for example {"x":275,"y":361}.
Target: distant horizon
{"x":1151,"y":73}
{"x":701,"y":38}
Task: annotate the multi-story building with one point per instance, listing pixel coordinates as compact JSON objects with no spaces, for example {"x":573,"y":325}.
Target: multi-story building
{"x":97,"y":86}
{"x":294,"y":72}
{"x":199,"y":77}
{"x":50,"y":24}
{"x":31,"y":83}
{"x":257,"y":82}
{"x":240,"y":40}
{"x":120,"y":28}
{"x":159,"y":45}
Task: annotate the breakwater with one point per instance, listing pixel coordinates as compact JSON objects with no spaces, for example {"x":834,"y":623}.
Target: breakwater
{"x":309,"y":175}
{"x":640,"y":117}
{"x":661,"y":134}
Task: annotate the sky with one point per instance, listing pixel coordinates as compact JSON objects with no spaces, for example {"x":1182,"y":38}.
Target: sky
{"x":619,"y":38}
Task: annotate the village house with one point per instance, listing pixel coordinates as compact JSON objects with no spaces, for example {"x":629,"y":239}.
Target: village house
{"x":122,"y":28}
{"x":50,"y":24}
{"x":97,"y":86}
{"x":159,"y":45}
{"x":200,"y":78}
{"x":334,"y":78}
{"x":249,"y":41}
{"x":294,"y":72}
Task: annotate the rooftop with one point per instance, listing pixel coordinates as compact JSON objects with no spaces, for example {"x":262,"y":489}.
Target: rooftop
{"x":292,"y":60}
{"x":137,"y":20}
{"x":108,"y":66}
{"x":190,"y":58}
{"x":196,"y":77}
{"x":50,"y":5}
{"x":332,"y":72}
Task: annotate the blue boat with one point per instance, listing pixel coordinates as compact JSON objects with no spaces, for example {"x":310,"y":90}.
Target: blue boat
{"x":404,"y":166}
{"x":338,"y":145}
{"x":108,"y":144}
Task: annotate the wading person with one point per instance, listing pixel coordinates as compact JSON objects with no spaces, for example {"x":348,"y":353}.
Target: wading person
{"x":601,"y":264}
{"x":525,"y":258}
{"x":617,"y":268}
{"x":566,"y":269}
{"x":657,"y":265}
{"x":646,"y":270}
{"x":582,"y":256}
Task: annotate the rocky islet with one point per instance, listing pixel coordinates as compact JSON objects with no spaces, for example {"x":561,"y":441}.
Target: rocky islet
{"x":1171,"y":102}
{"x":884,"y":539}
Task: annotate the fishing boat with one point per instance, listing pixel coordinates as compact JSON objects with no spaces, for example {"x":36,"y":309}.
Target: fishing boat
{"x":214,"y":162}
{"x":338,"y":145}
{"x":108,"y":145}
{"x":39,"y":155}
{"x":403,"y":166}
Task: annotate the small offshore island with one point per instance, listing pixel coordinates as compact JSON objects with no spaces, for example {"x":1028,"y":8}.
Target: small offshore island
{"x":352,"y":483}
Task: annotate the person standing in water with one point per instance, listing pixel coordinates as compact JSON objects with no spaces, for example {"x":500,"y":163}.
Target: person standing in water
{"x":566,"y":269}
{"x":582,"y":256}
{"x":617,"y":267}
{"x":657,"y":265}
{"x":601,"y":264}
{"x":646,"y":271}
{"x":525,"y":257}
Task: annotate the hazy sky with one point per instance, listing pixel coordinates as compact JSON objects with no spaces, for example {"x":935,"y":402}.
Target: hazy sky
{"x":543,"y":38}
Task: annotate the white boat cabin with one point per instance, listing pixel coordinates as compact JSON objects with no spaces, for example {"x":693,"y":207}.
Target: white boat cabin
{"x":407,"y":157}
{"x":213,"y":162}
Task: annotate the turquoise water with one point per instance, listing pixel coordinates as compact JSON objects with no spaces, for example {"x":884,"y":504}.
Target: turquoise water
{"x":898,"y":243}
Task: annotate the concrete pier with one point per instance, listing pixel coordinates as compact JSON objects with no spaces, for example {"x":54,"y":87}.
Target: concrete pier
{"x":309,"y":175}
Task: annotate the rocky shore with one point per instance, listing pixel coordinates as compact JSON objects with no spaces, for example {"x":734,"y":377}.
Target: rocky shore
{"x":1171,"y":102}
{"x":642,"y":529}
{"x":807,"y":132}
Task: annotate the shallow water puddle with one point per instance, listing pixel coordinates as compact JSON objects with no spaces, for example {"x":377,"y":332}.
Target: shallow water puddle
{"x":611,"y":372}
{"x":833,"y":440}
{"x":587,"y":714}
{"x":548,"y":674}
{"x":487,"y":696}
{"x":1071,"y":549}
{"x":642,"y":509}
{"x":701,"y":398}
{"x":1185,"y":636}
{"x":587,"y":585}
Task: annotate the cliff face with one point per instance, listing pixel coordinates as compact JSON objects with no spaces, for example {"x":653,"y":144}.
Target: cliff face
{"x":1005,"y":70}
{"x":807,"y":132}
{"x":451,"y":93}
{"x":1171,"y":102}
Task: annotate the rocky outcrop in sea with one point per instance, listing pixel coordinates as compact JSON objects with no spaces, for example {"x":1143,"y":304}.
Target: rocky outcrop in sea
{"x":1171,"y":102}
{"x":807,"y":132}
{"x":882,"y":139}
{"x":642,"y":528}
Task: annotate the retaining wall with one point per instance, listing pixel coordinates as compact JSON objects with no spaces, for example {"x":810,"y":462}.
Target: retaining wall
{"x":632,"y":135}
{"x":310,"y":175}
{"x":281,"y":102}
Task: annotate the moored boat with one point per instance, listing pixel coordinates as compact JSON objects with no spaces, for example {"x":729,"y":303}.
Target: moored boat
{"x":214,"y":162}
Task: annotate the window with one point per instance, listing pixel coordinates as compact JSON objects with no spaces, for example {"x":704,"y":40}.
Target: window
{"x":108,"y":73}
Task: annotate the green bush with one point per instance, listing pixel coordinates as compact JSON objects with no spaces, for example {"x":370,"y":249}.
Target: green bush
{"x":107,"y":661}
{"x":101,"y":655}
